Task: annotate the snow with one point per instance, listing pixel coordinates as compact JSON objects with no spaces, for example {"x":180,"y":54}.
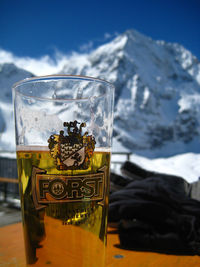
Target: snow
{"x":118,"y":147}
{"x":184,"y":165}
{"x":8,"y":135}
{"x":187,"y":102}
{"x":145,"y":97}
{"x":8,"y":155}
{"x":117,"y":44}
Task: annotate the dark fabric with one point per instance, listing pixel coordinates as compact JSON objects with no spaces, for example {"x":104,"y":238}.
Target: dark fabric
{"x":155,"y":212}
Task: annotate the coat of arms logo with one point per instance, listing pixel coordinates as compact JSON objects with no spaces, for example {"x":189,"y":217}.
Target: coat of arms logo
{"x":72,"y":151}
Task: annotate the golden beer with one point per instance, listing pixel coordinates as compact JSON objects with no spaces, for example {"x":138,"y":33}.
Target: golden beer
{"x":63,"y":211}
{"x":64,"y":128}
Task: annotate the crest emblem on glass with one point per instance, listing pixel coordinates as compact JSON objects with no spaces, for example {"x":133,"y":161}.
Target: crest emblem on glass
{"x":63,"y":138}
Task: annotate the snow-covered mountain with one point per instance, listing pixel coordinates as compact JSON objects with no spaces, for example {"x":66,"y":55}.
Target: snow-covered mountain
{"x":9,"y":74}
{"x":157,"y":98}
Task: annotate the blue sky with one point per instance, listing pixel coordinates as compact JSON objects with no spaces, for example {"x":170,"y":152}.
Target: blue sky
{"x":37,"y":27}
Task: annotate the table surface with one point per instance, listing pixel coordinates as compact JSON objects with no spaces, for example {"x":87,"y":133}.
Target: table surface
{"x":12,"y":253}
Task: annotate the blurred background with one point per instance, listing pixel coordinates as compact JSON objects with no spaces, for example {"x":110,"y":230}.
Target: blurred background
{"x":149,"y":49}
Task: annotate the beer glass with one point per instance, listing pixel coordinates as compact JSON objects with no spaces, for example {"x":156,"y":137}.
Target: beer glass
{"x":63,"y":141}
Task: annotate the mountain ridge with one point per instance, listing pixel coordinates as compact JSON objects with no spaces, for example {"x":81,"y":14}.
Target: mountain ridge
{"x":157,"y":99}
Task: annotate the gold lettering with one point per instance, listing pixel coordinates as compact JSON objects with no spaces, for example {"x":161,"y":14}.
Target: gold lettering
{"x":53,"y":188}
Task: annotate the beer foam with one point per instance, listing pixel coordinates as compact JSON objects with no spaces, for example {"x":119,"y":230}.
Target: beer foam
{"x":32,"y":148}
{"x":45,"y":148}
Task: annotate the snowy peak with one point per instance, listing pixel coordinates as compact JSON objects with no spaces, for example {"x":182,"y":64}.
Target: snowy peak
{"x":157,"y":92}
{"x":157,"y":97}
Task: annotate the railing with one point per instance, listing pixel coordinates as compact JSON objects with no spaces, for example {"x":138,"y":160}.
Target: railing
{"x":6,"y":182}
{"x":118,"y":158}
{"x":8,"y":178}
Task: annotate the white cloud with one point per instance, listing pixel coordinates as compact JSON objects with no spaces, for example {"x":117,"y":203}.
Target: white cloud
{"x":110,"y":35}
{"x":86,"y":47}
{"x":44,"y":65}
{"x":107,"y":35}
{"x":47,"y":65}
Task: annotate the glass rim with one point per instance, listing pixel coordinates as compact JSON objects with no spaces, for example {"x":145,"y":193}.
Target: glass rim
{"x":59,"y":77}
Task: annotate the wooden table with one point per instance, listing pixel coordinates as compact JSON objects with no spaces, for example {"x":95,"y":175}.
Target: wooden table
{"x":12,"y":253}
